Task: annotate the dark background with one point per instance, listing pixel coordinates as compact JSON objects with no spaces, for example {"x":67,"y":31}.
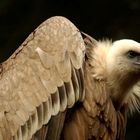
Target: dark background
{"x":99,"y":18}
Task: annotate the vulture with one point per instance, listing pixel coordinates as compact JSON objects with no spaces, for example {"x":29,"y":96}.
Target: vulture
{"x":61,"y":84}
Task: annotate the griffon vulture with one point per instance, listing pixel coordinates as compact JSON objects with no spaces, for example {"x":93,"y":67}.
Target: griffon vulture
{"x":58,"y":85}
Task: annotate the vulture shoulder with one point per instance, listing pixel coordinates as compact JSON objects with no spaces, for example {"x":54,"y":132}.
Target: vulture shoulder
{"x":43,"y":77}
{"x":97,"y":117}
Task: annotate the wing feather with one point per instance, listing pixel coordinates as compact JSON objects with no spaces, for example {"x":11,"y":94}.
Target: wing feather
{"x":47,"y":110}
{"x":63,"y":98}
{"x":75,"y":84}
{"x":55,"y":102}
{"x":70,"y":94}
{"x":44,"y":76}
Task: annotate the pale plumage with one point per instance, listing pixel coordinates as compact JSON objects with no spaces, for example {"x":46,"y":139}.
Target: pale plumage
{"x":59,"y":86}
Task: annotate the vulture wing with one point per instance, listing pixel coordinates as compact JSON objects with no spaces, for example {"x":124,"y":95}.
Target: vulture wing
{"x":42,"y":78}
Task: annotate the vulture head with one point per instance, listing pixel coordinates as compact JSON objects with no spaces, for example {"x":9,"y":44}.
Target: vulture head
{"x":119,"y":64}
{"x":123,"y":70}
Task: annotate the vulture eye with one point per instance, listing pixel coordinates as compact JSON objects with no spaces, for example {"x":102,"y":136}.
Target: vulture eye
{"x":132,"y":54}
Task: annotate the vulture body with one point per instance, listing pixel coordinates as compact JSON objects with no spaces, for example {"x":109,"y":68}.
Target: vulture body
{"x":58,"y":85}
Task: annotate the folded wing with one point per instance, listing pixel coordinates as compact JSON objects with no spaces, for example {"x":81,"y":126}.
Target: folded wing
{"x":42,"y":78}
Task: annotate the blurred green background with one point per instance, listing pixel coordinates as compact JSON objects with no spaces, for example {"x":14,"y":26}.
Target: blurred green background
{"x":99,"y":18}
